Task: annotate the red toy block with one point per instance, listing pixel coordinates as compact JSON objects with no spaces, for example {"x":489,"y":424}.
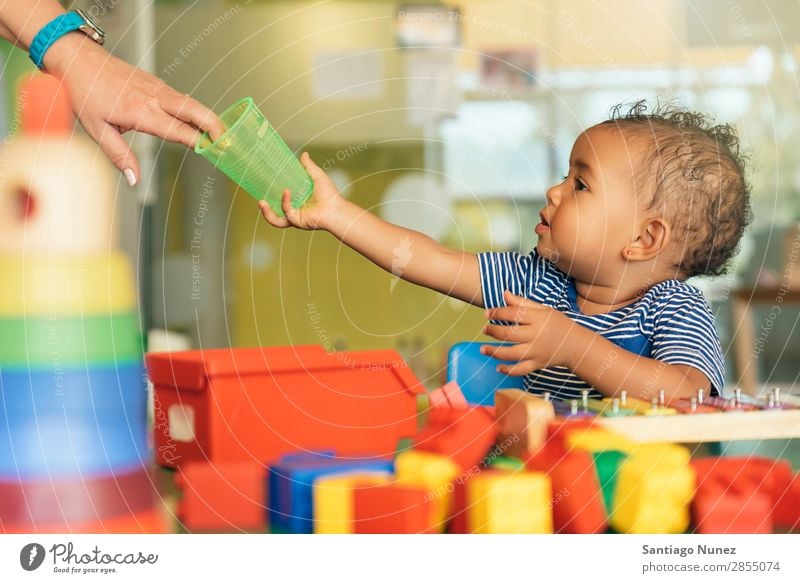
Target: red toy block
{"x":459,"y":522}
{"x":578,"y":506}
{"x":437,"y":399}
{"x":447,"y":396}
{"x":547,"y":456}
{"x":261,"y":403}
{"x":787,"y":508}
{"x":463,"y":435}
{"x":745,"y":475}
{"x":560,"y":427}
{"x":222,"y":496}
{"x":392,"y":509}
{"x":455,"y":397}
{"x":717,"y":511}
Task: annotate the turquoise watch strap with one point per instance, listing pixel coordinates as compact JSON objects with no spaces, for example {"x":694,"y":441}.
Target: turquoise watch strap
{"x":51,"y":32}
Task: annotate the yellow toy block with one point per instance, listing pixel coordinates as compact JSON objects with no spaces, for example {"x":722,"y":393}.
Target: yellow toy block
{"x":433,"y":472}
{"x":655,"y":486}
{"x":510,"y":503}
{"x":522,"y":420}
{"x":333,"y":500}
{"x":593,"y":440}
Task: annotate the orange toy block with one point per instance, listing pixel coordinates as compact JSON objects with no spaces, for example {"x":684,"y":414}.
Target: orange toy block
{"x":227,"y":496}
{"x":463,"y":435}
{"x":522,"y":420}
{"x":393,"y":509}
{"x":261,"y":403}
{"x":716,"y":510}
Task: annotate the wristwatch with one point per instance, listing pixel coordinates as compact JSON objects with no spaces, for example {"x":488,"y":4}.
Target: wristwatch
{"x":61,"y":25}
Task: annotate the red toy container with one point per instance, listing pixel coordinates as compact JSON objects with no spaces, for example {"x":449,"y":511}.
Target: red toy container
{"x":261,"y":403}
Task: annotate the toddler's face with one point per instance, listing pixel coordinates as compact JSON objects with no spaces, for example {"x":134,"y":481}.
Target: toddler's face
{"x":590,"y":217}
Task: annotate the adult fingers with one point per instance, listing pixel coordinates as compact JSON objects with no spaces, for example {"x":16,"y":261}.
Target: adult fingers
{"x":117,"y":150}
{"x":169,"y":128}
{"x":189,"y":110}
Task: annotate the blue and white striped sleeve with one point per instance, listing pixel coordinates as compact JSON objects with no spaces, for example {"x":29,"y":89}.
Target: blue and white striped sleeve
{"x":506,"y":271}
{"x":684,"y":333}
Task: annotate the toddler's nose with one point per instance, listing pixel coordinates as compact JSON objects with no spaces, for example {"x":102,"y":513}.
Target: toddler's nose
{"x":552,"y":196}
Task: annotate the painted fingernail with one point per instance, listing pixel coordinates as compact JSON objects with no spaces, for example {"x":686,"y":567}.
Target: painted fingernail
{"x":130,"y":176}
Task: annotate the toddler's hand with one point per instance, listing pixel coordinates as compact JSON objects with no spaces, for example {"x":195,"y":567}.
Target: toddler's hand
{"x":312,"y":214}
{"x":540,"y":336}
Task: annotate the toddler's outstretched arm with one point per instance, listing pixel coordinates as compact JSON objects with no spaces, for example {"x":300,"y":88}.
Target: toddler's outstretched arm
{"x":405,"y":253}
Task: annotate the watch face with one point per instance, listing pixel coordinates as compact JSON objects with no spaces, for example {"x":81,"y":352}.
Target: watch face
{"x":91,"y":22}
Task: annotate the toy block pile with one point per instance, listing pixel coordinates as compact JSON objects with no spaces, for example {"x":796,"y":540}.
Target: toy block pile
{"x":325,"y":456}
{"x":73,"y":434}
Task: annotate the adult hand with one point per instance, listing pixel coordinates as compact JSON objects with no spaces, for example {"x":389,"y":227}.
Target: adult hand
{"x":111,"y":97}
{"x":541,"y":336}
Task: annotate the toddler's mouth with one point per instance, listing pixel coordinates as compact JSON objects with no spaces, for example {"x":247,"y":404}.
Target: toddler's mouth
{"x":543,"y":227}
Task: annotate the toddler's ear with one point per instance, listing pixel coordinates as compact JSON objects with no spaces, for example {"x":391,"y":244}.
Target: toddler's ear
{"x":654,"y":236}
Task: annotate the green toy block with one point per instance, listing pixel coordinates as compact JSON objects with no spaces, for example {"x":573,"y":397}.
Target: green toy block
{"x":504,"y":462}
{"x":606,"y":464}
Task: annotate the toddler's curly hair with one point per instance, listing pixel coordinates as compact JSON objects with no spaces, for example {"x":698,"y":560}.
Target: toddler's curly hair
{"x":695,"y":172}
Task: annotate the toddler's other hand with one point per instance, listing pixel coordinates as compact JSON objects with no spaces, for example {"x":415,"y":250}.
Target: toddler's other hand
{"x":318,"y":207}
{"x":540,"y":336}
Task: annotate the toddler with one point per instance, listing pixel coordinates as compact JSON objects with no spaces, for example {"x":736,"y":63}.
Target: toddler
{"x":649,"y":200}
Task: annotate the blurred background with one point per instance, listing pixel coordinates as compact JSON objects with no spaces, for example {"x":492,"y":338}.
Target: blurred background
{"x":452,"y":118}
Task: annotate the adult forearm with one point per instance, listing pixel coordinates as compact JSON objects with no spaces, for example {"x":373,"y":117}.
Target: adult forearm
{"x":21,"y":20}
{"x":610,"y":369}
{"x":405,"y":253}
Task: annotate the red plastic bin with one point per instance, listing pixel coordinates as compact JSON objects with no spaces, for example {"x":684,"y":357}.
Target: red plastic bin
{"x":261,"y":403}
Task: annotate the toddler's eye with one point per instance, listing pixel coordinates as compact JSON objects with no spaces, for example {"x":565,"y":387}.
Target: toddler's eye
{"x":580,"y":184}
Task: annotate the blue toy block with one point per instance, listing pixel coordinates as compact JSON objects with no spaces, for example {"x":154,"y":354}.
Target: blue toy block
{"x":476,"y":373}
{"x":291,"y":482}
{"x":276,"y":482}
{"x":71,"y":444}
{"x":117,"y":389}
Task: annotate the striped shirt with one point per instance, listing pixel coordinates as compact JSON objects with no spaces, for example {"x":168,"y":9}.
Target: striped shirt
{"x":671,"y":323}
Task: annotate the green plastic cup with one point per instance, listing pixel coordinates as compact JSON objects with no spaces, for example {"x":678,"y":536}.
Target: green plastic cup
{"x":253,"y":155}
